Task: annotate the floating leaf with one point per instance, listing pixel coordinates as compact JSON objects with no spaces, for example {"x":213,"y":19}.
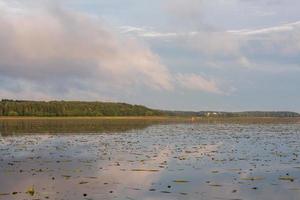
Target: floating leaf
{"x":180,"y":181}
{"x":66,"y":176}
{"x":145,"y":170}
{"x":183,"y":193}
{"x":31,"y":191}
{"x":167,"y":192}
{"x":286,"y":178}
{"x":254,"y":178}
{"x":215,"y":185}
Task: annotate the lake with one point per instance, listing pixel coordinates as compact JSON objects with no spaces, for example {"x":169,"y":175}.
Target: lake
{"x":149,"y":159}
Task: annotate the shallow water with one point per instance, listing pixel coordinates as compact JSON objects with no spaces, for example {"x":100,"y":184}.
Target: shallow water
{"x":154,"y":162}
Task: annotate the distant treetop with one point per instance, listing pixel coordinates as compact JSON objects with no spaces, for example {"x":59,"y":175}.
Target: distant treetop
{"x":72,"y":108}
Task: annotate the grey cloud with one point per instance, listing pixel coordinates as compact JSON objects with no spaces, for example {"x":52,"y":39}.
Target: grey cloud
{"x":198,"y":83}
{"x":185,"y":14}
{"x":273,"y":49}
{"x":49,"y":52}
{"x":55,"y":46}
{"x":187,"y":9}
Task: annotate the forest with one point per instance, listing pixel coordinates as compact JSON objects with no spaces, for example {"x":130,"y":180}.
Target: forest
{"x":72,"y":108}
{"x":80,"y":108}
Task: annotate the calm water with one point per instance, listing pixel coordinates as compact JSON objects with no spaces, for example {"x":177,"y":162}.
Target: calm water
{"x":145,"y":160}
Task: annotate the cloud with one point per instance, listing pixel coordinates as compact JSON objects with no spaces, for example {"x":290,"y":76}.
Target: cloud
{"x":269,"y":30}
{"x":70,"y":50}
{"x":184,"y":13}
{"x":198,"y":83}
{"x":273,"y":49}
{"x":184,"y":9}
{"x":267,"y":48}
{"x":48,"y":52}
{"x":277,"y":46}
{"x":206,"y":41}
{"x":146,"y":32}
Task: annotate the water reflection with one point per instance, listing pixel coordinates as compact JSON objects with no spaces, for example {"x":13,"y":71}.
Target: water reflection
{"x":170,"y":161}
{"x":86,"y":125}
{"x":75,"y":125}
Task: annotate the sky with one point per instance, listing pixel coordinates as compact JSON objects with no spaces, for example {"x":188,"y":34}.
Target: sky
{"x":225,"y":55}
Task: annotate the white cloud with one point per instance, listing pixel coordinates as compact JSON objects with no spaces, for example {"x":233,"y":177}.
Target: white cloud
{"x":271,"y":49}
{"x":272,"y":43}
{"x":198,"y":83}
{"x":208,"y":42}
{"x":49,"y":52}
{"x":146,"y":32}
{"x":276,"y":29}
{"x":51,"y":45}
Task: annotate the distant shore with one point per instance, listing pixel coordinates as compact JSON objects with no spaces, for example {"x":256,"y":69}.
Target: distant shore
{"x":23,"y":108}
{"x":182,"y":119}
{"x":95,"y":117}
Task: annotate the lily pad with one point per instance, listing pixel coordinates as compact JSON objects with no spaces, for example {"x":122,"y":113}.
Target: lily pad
{"x":180,"y":181}
{"x":145,"y":170}
{"x":254,"y":178}
{"x":31,"y":191}
{"x":286,"y":178}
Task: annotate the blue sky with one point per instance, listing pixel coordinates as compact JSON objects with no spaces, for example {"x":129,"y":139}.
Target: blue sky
{"x":170,"y":54}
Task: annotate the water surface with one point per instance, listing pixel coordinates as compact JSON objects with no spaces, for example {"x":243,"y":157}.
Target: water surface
{"x":149,"y":161}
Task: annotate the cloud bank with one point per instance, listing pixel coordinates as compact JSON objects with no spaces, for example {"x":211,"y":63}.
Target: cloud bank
{"x":48,"y":52}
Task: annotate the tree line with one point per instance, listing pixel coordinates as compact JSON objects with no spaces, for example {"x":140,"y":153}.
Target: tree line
{"x":72,"y":108}
{"x":78,"y":108}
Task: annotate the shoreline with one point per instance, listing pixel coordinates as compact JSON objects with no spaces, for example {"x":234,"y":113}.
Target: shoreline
{"x":163,"y":118}
{"x":93,"y":117}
